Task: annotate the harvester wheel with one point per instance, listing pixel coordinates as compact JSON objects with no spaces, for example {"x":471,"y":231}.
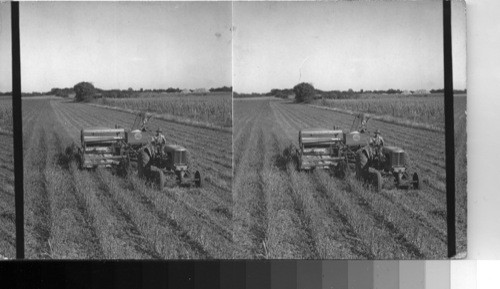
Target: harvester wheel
{"x":124,"y":168}
{"x":197,"y":179}
{"x":142,"y":161}
{"x":79,"y":158}
{"x":298,"y":158}
{"x":341,"y":170}
{"x":376,"y":180}
{"x":416,"y":181}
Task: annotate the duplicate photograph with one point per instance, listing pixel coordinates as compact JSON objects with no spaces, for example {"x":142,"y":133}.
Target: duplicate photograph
{"x":127,"y":125}
{"x":339,"y":130}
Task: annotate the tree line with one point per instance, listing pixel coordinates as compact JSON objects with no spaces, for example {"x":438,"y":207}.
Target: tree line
{"x":305,"y":92}
{"x":85,"y":91}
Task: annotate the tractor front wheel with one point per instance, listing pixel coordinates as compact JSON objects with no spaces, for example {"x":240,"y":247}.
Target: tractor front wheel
{"x":180,"y":177}
{"x":399,"y":180}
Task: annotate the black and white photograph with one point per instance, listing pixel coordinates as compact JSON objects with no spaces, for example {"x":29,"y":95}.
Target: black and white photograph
{"x":126,"y":118}
{"x":233,"y":130}
{"x":339,"y":130}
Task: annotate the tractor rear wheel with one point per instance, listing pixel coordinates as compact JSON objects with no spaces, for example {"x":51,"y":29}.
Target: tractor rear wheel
{"x":197,"y":179}
{"x":376,"y":180}
{"x":416,"y":182}
{"x":158,"y":177}
{"x":142,"y":161}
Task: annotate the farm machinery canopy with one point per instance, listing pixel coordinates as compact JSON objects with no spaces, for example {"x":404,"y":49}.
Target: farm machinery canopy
{"x":322,"y":148}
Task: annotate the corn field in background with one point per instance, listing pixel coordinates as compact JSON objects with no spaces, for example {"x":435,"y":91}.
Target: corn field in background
{"x":211,"y":108}
{"x":417,"y":109}
{"x":6,"y":115}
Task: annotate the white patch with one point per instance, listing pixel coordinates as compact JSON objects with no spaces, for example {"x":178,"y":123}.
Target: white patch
{"x":356,"y":137}
{"x":138,"y":136}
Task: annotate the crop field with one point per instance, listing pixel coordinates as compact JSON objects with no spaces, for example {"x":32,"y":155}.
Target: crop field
{"x":460,"y":119}
{"x":6,"y":113}
{"x":72,"y":213}
{"x":421,"y":109}
{"x":7,"y":213}
{"x":282,"y":213}
{"x":214,"y":108}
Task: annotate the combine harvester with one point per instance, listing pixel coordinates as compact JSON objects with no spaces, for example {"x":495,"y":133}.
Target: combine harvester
{"x":121,"y":148}
{"x":337,"y":150}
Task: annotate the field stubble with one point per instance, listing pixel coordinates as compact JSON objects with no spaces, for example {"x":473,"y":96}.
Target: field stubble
{"x":7,"y":214}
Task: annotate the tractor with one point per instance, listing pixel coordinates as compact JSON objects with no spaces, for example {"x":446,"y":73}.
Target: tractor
{"x":338,"y":150}
{"x":375,"y":163}
{"x":157,"y":160}
{"x":121,"y":148}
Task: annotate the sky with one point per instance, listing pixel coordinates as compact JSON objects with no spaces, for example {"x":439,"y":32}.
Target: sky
{"x":333,"y":45}
{"x":342,"y":45}
{"x":5,"y":48}
{"x":122,"y":45}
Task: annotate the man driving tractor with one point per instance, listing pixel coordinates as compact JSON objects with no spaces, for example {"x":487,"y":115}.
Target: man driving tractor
{"x":377,"y":140}
{"x":159,"y":138}
{"x":370,"y":154}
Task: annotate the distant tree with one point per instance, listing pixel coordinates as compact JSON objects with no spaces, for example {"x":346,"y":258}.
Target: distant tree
{"x":171,"y":89}
{"x":274,"y":92}
{"x":84,"y":91}
{"x":304,"y":92}
{"x":221,"y":89}
{"x":281,"y":94}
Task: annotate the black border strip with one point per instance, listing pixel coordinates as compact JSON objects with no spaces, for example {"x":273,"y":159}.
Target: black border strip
{"x":449,"y":129}
{"x":18,"y":130}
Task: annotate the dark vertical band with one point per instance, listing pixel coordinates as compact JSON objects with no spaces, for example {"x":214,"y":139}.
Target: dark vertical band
{"x":18,"y":130}
{"x":449,"y":129}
